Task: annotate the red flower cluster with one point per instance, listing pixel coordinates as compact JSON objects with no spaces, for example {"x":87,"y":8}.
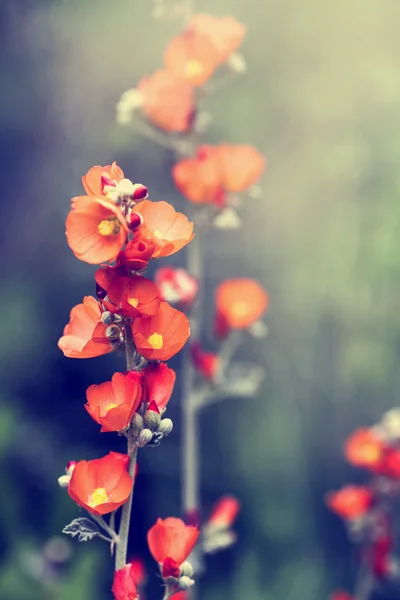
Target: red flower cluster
{"x":115,"y":222}
{"x":365,"y":508}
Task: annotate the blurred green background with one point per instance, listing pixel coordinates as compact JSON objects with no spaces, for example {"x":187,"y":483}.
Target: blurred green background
{"x":321,"y":99}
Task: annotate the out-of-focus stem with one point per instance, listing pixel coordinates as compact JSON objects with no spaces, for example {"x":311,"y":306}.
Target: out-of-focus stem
{"x":123,"y":535}
{"x":365,"y":579}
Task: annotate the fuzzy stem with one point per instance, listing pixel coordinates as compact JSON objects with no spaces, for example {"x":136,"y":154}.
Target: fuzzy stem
{"x":123,"y":535}
{"x":130,"y":349}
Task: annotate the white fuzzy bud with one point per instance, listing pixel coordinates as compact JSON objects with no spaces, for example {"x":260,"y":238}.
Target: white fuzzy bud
{"x":185,"y":583}
{"x":186,"y":569}
{"x":165,"y":427}
{"x":145,"y":437}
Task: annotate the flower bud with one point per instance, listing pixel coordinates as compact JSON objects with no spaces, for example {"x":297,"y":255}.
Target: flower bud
{"x":152,"y":416}
{"x":70,"y":466}
{"x":64,"y":480}
{"x":145,"y":437}
{"x":106,"y":182}
{"x":137,"y":421}
{"x":186,"y":569}
{"x":107,"y":318}
{"x":112,"y":332}
{"x":185,"y":583}
{"x":170,"y":568}
{"x":165,"y":427}
{"x":135,"y":221}
{"x":140,"y":192}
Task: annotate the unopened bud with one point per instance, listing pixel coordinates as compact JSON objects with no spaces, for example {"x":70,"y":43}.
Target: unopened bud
{"x":186,"y":569}
{"x":145,"y":437}
{"x":185,"y":583}
{"x":106,"y":182}
{"x":112,"y":332}
{"x":107,"y":317}
{"x":140,"y":192}
{"x":64,"y":480}
{"x":136,"y":221}
{"x":70,"y":466}
{"x":152,"y":416}
{"x":137,"y":421}
{"x":165,"y":427}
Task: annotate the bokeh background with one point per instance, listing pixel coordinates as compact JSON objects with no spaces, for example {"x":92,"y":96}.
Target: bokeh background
{"x":321,"y":98}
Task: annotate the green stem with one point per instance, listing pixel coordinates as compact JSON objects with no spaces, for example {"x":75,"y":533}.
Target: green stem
{"x":123,"y":535}
{"x":130,"y":349}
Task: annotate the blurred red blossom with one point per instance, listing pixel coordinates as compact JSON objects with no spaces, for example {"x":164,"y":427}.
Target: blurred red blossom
{"x":239,"y":304}
{"x":224,"y":512}
{"x":207,"y":363}
{"x":167,"y":101}
{"x":225,"y":33}
{"x":350,"y":502}
{"x":176,"y":286}
{"x":192,"y":57}
{"x":125,"y":583}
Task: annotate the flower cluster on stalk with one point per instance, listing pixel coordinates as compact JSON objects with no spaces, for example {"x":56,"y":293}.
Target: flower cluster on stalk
{"x":367,"y":509}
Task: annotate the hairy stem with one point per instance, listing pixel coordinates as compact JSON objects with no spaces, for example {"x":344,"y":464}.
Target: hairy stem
{"x":123,"y":535}
{"x":130,"y":349}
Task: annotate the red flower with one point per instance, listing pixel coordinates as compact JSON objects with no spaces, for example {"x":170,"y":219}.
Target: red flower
{"x":161,"y":336}
{"x":170,"y":568}
{"x":135,"y":295}
{"x":124,"y":585}
{"x":171,"y":538}
{"x":191,"y":57}
{"x":207,"y":363}
{"x":226,"y":34}
{"x":381,"y":550}
{"x":168,"y":102}
{"x":224,"y":512}
{"x":181,"y":596}
{"x":240,"y":302}
{"x":176,"y":285}
{"x":113,"y":403}
{"x":170,"y":231}
{"x":138,"y":571}
{"x":351,"y":502}
{"x":101,"y":485}
{"x":84,"y":336}
{"x":137,"y":253}
{"x":390,"y":465}
{"x":98,"y":177}
{"x":340,"y":595}
{"x":364,"y":449}
{"x":96,"y":229}
{"x":158,"y":384}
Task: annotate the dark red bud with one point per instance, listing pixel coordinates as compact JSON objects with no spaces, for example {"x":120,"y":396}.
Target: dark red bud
{"x":153,"y":407}
{"x":170,"y":568}
{"x":136,"y":221}
{"x":70,"y":465}
{"x":106,"y":181}
{"x":140,"y":192}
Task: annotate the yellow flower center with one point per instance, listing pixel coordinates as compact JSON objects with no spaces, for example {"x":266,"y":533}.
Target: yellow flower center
{"x":241,"y":309}
{"x":99,"y":496}
{"x":109,"y":226}
{"x":110,"y":406}
{"x":156,"y":341}
{"x":158,"y":234}
{"x":193,"y":68}
{"x":133,"y":302}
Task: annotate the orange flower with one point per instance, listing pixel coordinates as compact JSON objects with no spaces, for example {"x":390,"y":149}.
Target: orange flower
{"x":98,"y":177}
{"x":224,"y":512}
{"x":125,"y":584}
{"x":216,"y":170}
{"x":158,"y":384}
{"x":240,"y":166}
{"x":240,"y":302}
{"x":135,"y":295}
{"x":113,"y":403}
{"x":101,"y":485}
{"x":351,"y":502}
{"x":168,"y":102}
{"x":226,"y":34}
{"x":137,"y":253}
{"x":84,"y":336}
{"x":171,"y":538}
{"x":169,"y":230}
{"x":176,"y":286}
{"x":161,"y":336}
{"x":364,"y":449}
{"x":199,"y":178}
{"x":192,"y":57}
{"x":96,"y":229}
